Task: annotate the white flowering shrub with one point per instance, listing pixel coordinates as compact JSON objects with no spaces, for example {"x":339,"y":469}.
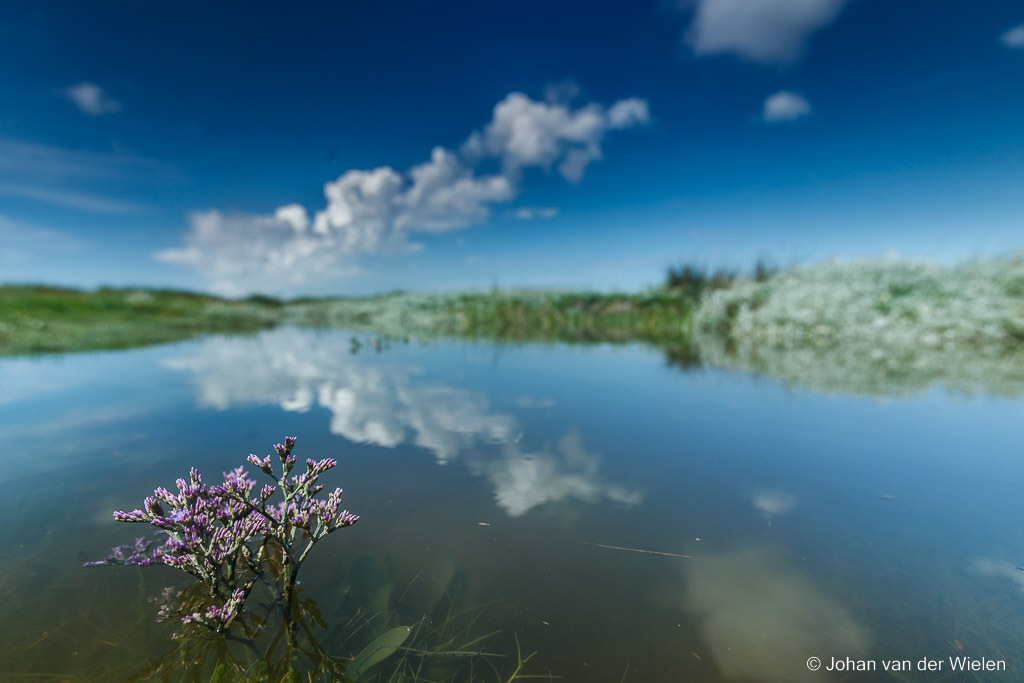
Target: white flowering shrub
{"x":874,"y":326}
{"x":875,"y":303}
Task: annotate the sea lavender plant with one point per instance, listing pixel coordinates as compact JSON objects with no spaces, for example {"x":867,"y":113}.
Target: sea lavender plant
{"x":228,"y":538}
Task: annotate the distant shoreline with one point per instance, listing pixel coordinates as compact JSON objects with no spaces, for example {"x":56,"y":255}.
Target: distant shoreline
{"x":849,"y":327}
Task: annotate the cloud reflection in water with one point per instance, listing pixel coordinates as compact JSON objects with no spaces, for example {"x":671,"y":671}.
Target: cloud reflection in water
{"x":387,"y":404}
{"x":771,"y":503}
{"x":762,"y":619}
{"x":522,"y":481}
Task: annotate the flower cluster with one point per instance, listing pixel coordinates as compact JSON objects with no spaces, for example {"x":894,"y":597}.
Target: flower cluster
{"x":223,"y":534}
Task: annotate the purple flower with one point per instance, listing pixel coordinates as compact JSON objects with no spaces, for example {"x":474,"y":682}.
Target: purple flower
{"x":218,"y":533}
{"x":263,"y":464}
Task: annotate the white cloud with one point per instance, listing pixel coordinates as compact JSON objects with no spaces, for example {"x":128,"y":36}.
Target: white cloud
{"x":445,"y":195}
{"x":526,"y":133}
{"x":628,"y":113}
{"x":763,"y":31}
{"x":1014,"y":38}
{"x":240,"y":253}
{"x":380,"y":210}
{"x":294,"y":215}
{"x":91,"y":99}
{"x":785,"y":106}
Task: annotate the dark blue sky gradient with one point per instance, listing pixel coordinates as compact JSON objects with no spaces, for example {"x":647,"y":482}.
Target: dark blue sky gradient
{"x":914,"y":142}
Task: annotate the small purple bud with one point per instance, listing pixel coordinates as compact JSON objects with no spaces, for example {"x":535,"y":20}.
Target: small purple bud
{"x":346,"y":518}
{"x":153,"y":506}
{"x":164,"y":495}
{"x":262,"y":463}
{"x":133,"y":516}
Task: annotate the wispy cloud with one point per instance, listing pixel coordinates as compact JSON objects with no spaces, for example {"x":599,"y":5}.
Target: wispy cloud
{"x":91,"y":99}
{"x":1014,"y":38}
{"x":562,"y":92}
{"x":379,"y":210}
{"x":762,"y":31}
{"x":529,"y":213}
{"x":26,"y":159}
{"x":65,"y":177}
{"x":21,"y":241}
{"x":73,"y":200}
{"x":785,"y":106}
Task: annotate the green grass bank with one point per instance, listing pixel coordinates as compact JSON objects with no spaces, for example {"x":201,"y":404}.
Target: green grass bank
{"x":41,"y":319}
{"x":870,"y":327}
{"x":513,"y":315}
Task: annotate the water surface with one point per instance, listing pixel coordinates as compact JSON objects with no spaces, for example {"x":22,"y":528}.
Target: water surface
{"x":816,"y":524}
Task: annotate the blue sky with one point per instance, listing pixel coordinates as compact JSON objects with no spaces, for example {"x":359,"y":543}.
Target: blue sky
{"x":349,"y":148}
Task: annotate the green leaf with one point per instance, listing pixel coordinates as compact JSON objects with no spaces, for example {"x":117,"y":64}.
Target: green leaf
{"x":219,"y":674}
{"x":380,"y":649}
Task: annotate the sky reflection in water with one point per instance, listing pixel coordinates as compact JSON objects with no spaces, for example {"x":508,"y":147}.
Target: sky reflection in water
{"x":816,"y":525}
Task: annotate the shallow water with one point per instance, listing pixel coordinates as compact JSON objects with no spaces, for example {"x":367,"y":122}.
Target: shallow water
{"x":815,"y":524}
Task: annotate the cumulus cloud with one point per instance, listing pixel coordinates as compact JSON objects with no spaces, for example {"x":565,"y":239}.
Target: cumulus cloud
{"x":381,"y":210}
{"x":91,"y":99}
{"x":785,"y":106}
{"x":526,"y":133}
{"x":240,"y":253}
{"x":762,"y":31}
{"x":1014,"y":38}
